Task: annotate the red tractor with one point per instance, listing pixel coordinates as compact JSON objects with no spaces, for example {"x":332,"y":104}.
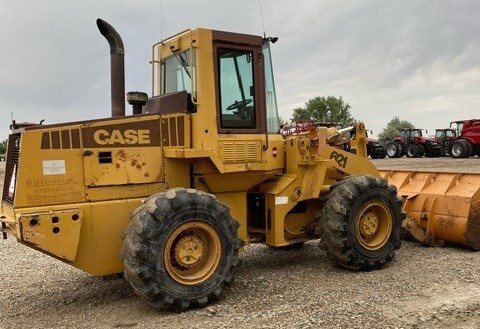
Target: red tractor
{"x":413,"y":144}
{"x":446,"y":137}
{"x":296,"y":128}
{"x":468,"y":141}
{"x":374,"y":149}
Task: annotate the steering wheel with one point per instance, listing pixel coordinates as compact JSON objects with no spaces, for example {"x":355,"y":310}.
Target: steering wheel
{"x":239,"y":104}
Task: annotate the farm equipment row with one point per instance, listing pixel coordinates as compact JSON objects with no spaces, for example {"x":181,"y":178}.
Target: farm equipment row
{"x":461,"y":140}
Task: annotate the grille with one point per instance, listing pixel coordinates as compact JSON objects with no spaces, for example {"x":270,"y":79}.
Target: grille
{"x":11,"y":168}
{"x":241,"y":151}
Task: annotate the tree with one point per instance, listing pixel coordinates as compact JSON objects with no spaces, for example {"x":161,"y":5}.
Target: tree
{"x":3,"y":147}
{"x":393,"y":129}
{"x":325,"y":109}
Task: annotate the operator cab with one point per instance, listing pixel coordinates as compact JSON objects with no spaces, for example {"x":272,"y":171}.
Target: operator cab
{"x":243,"y":93}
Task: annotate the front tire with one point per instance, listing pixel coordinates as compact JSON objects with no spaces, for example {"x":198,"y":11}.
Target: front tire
{"x":362,"y":223}
{"x":382,"y":154}
{"x":421,"y":150}
{"x":412,"y":151}
{"x":415,"y":151}
{"x":180,"y":249}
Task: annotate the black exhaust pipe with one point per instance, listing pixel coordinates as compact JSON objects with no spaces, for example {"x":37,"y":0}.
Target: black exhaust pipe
{"x":117,"y":67}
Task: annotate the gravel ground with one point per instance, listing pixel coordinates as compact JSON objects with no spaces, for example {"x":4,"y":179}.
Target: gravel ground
{"x":422,"y":288}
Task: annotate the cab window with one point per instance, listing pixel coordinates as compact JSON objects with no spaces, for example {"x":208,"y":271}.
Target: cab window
{"x":236,"y":79}
{"x":177,"y":72}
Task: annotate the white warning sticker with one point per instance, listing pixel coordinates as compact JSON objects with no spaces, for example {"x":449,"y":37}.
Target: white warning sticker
{"x":281,"y":199}
{"x":11,"y":187}
{"x":54,"y":167}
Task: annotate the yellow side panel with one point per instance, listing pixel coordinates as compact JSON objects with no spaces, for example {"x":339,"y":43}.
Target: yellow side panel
{"x":54,"y":176}
{"x":57,"y":233}
{"x":237,"y":201}
{"x":101,"y":236}
{"x":120,"y":152}
{"x":128,"y":165}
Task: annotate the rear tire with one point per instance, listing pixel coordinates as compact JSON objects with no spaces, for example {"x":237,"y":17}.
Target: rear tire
{"x":361,"y":223}
{"x":394,"y":149}
{"x":180,"y":249}
{"x":460,"y":149}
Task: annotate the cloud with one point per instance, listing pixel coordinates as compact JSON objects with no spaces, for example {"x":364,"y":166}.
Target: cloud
{"x":416,"y":59}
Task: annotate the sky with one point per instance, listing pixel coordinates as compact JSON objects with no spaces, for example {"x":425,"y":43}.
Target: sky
{"x":418,"y":60}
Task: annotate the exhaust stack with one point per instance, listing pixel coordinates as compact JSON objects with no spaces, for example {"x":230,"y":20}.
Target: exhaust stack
{"x":117,"y":67}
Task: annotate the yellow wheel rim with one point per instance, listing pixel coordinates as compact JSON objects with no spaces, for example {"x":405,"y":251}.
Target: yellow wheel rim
{"x":192,"y":252}
{"x":374,"y":225}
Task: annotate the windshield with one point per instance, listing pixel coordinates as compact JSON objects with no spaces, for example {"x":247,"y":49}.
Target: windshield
{"x":445,"y":133}
{"x":458,"y":127}
{"x":176,"y":73}
{"x":411,"y":133}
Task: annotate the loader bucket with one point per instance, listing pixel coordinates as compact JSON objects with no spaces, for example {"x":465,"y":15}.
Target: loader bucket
{"x":440,"y":207}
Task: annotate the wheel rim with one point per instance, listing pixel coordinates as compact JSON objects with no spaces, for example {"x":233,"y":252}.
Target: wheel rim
{"x":374,"y":225}
{"x":455,"y":150}
{"x":391,"y":150}
{"x":411,"y":151}
{"x":192,"y":252}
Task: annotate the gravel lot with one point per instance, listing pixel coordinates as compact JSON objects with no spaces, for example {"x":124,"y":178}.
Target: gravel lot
{"x":422,"y":288}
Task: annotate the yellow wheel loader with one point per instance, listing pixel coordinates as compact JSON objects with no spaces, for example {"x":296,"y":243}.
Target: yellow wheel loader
{"x":170,"y":194}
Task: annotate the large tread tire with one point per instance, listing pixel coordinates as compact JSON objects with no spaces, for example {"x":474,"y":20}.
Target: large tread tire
{"x":470,"y":149}
{"x":320,"y":216}
{"x":421,"y":150}
{"x":412,"y":151}
{"x":378,"y":153}
{"x":162,"y":230}
{"x":382,"y":154}
{"x":460,"y":149}
{"x":394,"y":149}
{"x":433,"y":152}
{"x":361,"y":223}
{"x":476,"y":150}
{"x":402,"y":150}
